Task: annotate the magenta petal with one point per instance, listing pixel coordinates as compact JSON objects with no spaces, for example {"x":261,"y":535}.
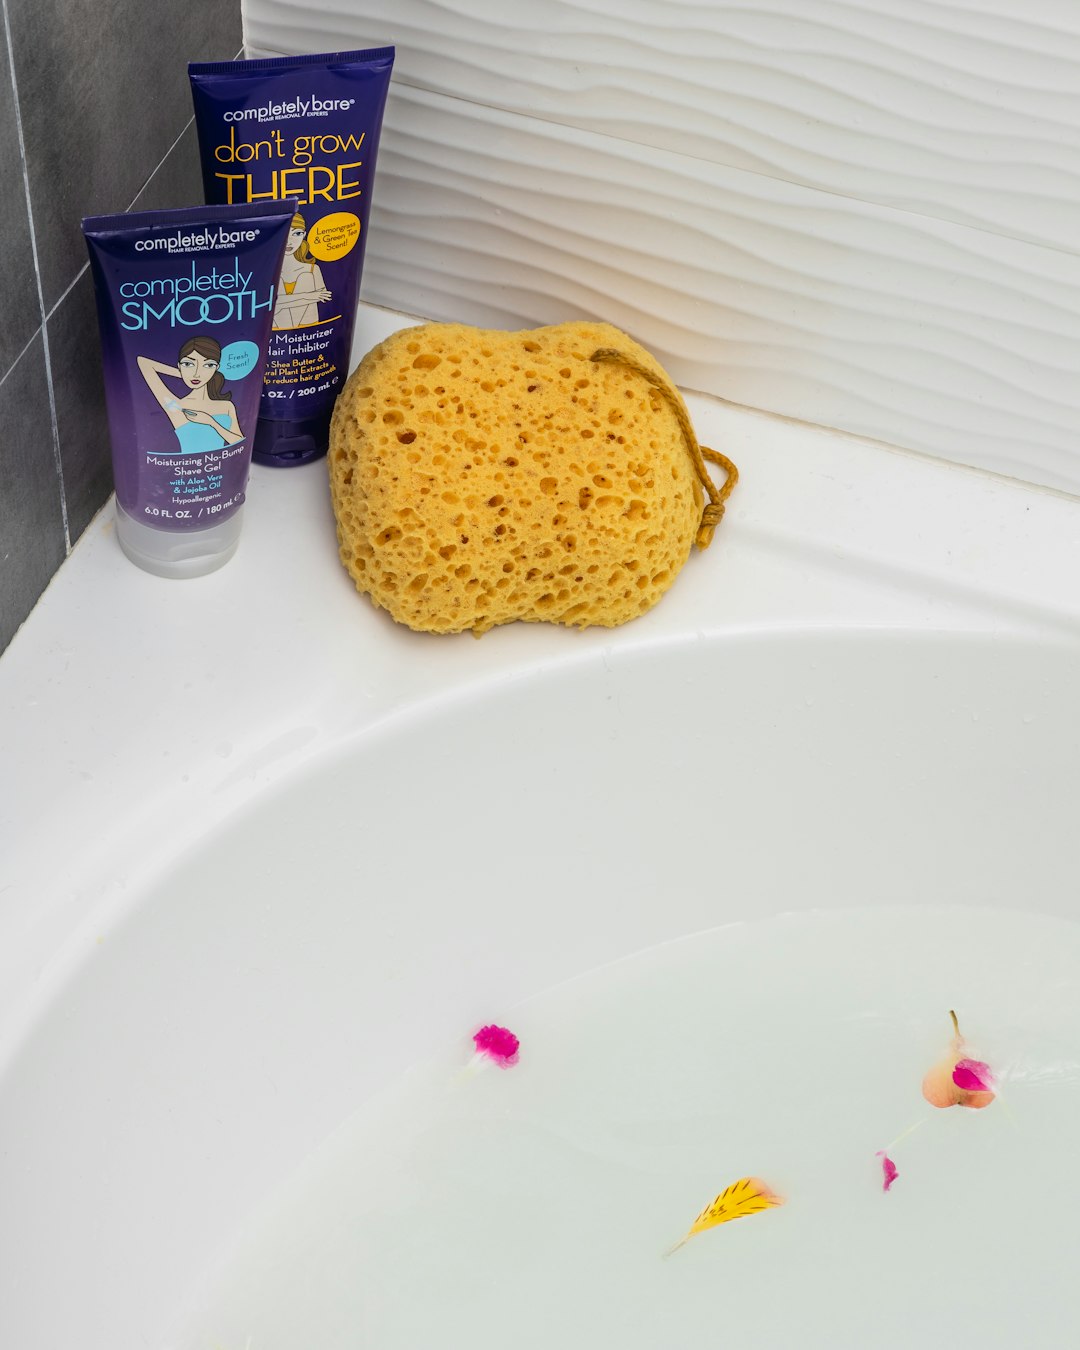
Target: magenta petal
{"x":499,"y":1044}
{"x":972,"y":1075}
{"x":888,"y":1168}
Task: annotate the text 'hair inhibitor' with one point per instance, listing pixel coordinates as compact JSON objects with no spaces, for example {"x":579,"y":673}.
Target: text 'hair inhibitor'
{"x":304,"y":127}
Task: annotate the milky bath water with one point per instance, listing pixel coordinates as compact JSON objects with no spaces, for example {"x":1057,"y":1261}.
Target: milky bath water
{"x":531,"y":1207}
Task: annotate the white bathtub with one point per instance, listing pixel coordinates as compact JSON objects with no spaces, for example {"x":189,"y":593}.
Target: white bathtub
{"x":261,"y":847}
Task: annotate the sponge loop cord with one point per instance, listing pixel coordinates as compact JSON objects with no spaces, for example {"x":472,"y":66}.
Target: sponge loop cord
{"x":714,"y":512}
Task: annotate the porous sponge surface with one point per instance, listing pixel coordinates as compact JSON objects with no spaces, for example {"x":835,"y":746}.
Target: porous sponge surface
{"x":480,"y":476}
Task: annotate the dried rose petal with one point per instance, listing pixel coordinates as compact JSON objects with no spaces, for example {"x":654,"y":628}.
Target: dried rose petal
{"x":888,"y":1168}
{"x":498,"y":1044}
{"x":972,"y":1075}
{"x":957,"y":1080}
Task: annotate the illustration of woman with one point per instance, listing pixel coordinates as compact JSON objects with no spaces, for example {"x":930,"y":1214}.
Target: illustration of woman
{"x":301,"y":289}
{"x":205,"y":418}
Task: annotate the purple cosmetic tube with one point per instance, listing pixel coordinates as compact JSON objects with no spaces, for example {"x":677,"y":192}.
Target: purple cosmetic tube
{"x":305,"y":127}
{"x":185,"y":301}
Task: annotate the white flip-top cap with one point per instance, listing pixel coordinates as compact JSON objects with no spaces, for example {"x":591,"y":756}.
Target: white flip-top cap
{"x":178,"y":553}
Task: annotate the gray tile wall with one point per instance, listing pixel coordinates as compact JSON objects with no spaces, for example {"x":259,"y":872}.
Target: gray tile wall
{"x":95,"y":116}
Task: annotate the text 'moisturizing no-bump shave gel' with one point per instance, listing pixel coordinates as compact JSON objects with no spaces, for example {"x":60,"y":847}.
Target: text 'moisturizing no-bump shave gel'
{"x":185,"y":302}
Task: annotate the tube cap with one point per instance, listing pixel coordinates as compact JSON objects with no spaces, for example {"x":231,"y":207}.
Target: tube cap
{"x":284,"y":444}
{"x":178,"y":553}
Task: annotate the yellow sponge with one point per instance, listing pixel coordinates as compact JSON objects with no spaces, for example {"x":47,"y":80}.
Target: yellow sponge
{"x":480,"y":477}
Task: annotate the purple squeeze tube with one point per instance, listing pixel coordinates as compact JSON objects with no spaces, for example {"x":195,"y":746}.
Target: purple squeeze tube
{"x":305,"y":127}
{"x":185,"y":301}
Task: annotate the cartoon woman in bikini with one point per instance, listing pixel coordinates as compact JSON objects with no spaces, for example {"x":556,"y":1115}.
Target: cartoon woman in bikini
{"x":205,"y":418}
{"x":301,"y":289}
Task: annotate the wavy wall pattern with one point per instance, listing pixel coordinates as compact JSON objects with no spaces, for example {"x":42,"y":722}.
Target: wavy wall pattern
{"x":967,"y":112}
{"x":814,"y":253}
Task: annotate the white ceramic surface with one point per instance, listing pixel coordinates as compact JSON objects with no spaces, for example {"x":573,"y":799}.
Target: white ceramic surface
{"x":262,"y":847}
{"x":837,"y":212}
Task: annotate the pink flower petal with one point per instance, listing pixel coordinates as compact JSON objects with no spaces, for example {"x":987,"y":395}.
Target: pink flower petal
{"x":888,"y":1169}
{"x":972,"y":1075}
{"x":498,"y":1044}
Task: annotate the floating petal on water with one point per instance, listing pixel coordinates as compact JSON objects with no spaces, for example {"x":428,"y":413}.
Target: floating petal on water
{"x":748,"y":1195}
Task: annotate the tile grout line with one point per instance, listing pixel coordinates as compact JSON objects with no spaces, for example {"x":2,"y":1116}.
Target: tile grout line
{"x":43,"y":330}
{"x":142,"y":188}
{"x":145,"y":184}
{"x":33,"y":339}
{"x":160,"y":163}
{"x":146,"y":181}
{"x":37,"y":277}
{"x":67,"y":291}
{"x":47,"y":315}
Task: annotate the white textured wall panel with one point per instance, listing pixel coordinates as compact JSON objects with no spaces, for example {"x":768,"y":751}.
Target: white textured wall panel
{"x":914,"y":331}
{"x":970,"y":111}
{"x":863,"y":214}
